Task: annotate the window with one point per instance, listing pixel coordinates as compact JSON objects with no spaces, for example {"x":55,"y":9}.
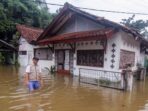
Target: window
{"x":90,"y":58}
{"x":22,"y":52}
{"x":43,"y":53}
{"x":126,"y":57}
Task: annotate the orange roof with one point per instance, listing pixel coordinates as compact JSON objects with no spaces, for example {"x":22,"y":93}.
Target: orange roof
{"x":29,"y":33}
{"x":78,"y":36}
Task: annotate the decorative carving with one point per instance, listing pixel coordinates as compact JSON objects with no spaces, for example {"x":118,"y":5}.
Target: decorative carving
{"x":113,"y":45}
{"x":113,"y":55}
{"x":112,"y":66}
{"x":91,"y":43}
{"x":113,"y":50}
{"x":112,"y":60}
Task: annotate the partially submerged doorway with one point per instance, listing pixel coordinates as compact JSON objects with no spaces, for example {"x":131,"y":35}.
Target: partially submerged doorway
{"x":64,"y":60}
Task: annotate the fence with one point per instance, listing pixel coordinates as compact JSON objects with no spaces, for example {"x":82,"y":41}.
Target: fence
{"x":100,"y":77}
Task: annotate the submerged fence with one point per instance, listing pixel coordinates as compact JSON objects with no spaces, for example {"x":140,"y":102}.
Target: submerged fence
{"x":100,"y":77}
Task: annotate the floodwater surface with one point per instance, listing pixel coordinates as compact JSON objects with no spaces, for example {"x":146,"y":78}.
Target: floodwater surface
{"x":64,"y":93}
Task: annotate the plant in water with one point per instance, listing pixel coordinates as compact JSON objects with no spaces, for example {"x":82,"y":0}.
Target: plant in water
{"x":17,"y":63}
{"x":47,"y":70}
{"x":52,"y":70}
{"x":104,"y":81}
{"x":2,"y":58}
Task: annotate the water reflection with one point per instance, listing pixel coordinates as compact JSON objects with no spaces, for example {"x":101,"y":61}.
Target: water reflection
{"x":64,"y":93}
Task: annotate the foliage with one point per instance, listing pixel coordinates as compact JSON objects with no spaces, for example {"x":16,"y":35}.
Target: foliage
{"x":139,"y":25}
{"x":146,"y":63}
{"x":104,"y":81}
{"x":26,"y":12}
{"x":17,"y":63}
{"x":52,"y":69}
{"x":2,"y":58}
{"x":47,"y":70}
{"x":15,"y":40}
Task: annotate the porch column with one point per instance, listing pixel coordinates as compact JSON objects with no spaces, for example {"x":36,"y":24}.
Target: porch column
{"x":14,"y":57}
{"x":74,"y":63}
{"x":127,"y":80}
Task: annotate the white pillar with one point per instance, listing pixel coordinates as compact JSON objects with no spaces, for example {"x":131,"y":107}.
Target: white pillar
{"x":130,"y":81}
{"x":127,"y":81}
{"x":14,"y":58}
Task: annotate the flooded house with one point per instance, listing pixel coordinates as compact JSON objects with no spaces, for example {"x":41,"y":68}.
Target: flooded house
{"x":9,"y":51}
{"x":28,"y":47}
{"x":78,"y":42}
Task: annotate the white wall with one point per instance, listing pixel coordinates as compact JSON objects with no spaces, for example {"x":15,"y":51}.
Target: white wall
{"x":107,"y":55}
{"x":130,"y":44}
{"x":24,"y":60}
{"x":78,"y":24}
{"x":123,"y":41}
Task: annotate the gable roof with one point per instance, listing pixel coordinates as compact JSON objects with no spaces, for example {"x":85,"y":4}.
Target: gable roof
{"x":29,"y":33}
{"x":69,"y":10}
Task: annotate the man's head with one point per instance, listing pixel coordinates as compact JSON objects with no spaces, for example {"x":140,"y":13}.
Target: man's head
{"x":35,"y":60}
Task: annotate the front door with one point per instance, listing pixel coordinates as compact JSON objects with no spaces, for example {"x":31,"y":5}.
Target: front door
{"x":60,"y":59}
{"x":64,"y":60}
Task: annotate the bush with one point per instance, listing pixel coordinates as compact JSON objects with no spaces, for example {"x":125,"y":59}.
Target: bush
{"x":52,"y":70}
{"x":2,"y":58}
{"x":104,"y":81}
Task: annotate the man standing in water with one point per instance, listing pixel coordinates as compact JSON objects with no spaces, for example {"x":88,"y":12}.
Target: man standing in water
{"x":33,"y":77}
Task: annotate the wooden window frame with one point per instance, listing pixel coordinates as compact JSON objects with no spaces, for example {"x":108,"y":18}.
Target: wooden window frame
{"x":23,"y":52}
{"x":46,"y":48}
{"x":90,"y":58}
{"x":121,"y":67}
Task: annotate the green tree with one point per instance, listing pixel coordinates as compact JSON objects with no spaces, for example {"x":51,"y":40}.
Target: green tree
{"x":12,"y":12}
{"x":139,"y":25}
{"x":26,"y":12}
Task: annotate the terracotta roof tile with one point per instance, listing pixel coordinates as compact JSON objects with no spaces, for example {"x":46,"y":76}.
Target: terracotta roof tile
{"x":77,"y":36}
{"x":29,"y":33}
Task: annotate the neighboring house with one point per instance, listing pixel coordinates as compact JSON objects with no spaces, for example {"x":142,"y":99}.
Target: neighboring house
{"x":83,"y":43}
{"x":27,"y":47}
{"x":10,"y":50}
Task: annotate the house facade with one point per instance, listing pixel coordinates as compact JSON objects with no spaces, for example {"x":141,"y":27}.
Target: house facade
{"x":27,"y":47}
{"x":79,"y":42}
{"x":9,"y":50}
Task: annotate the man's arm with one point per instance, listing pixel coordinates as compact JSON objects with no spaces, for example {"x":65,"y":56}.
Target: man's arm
{"x":26,"y":76}
{"x":40,"y":76}
{"x":26,"y":79}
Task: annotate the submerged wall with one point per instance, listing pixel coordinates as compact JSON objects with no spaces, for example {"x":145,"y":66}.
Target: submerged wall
{"x":25,"y":60}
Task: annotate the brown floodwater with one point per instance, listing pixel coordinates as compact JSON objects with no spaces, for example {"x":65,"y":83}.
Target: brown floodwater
{"x":64,"y":93}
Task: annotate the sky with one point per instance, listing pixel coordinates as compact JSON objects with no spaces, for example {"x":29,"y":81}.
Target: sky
{"x":138,"y":6}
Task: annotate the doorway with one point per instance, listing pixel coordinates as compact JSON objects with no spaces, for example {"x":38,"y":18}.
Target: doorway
{"x":64,"y":60}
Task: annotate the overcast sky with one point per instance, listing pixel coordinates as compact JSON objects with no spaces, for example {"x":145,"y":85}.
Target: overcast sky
{"x":138,"y":6}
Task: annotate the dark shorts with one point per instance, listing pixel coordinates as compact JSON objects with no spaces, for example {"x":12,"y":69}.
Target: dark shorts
{"x":33,"y":85}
